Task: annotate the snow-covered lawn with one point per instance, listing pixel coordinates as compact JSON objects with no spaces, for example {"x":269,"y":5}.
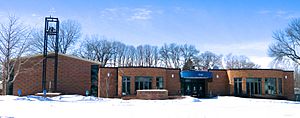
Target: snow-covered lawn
{"x":81,"y":106}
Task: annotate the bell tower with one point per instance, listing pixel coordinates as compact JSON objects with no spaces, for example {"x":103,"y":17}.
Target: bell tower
{"x":52,"y":31}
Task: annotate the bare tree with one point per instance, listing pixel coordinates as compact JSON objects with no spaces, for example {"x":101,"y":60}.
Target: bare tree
{"x":119,"y":56}
{"x":1,"y":70}
{"x":140,"y":55}
{"x":188,"y":65}
{"x":238,"y":62}
{"x":86,"y":50}
{"x":69,"y":32}
{"x":208,"y":60}
{"x":155,"y":55}
{"x":130,"y":55}
{"x":287,"y":43}
{"x":37,"y":41}
{"x":174,"y":54}
{"x":13,"y":45}
{"x":164,"y":55}
{"x":97,"y":49}
{"x":188,"y":52}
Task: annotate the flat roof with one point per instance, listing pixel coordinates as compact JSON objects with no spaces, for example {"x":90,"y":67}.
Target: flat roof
{"x":250,"y":69}
{"x":142,"y":67}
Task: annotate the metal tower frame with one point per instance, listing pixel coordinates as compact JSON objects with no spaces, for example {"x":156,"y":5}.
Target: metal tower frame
{"x":51,"y":29}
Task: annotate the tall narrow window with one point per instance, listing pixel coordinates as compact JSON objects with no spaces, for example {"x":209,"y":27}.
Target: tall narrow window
{"x":125,"y":85}
{"x":238,"y":86}
{"x":94,"y":80}
{"x":159,"y":83}
{"x":270,"y":86}
{"x":253,"y":86}
{"x":279,"y":86}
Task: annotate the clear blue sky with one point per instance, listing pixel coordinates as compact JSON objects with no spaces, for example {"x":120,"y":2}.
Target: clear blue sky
{"x":241,"y":27}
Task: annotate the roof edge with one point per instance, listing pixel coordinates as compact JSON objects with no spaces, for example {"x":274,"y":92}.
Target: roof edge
{"x":250,"y":69}
{"x":142,"y":67}
{"x":60,"y":54}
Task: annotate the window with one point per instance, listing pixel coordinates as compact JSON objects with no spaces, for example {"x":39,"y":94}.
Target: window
{"x":253,"y":86}
{"x":143,"y":82}
{"x":125,"y":85}
{"x":238,"y":86}
{"x":94,"y":80}
{"x":270,"y":86}
{"x":159,"y":83}
{"x":280,"y":86}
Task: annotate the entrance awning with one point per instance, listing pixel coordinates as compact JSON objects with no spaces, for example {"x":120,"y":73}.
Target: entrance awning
{"x":195,"y":75}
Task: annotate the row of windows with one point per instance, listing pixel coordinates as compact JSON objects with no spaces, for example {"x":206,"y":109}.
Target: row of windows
{"x":141,"y":82}
{"x":254,"y":86}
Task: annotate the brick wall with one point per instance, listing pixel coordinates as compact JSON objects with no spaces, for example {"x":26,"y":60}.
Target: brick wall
{"x":74,"y":75}
{"x":107,"y":86}
{"x":288,"y":85}
{"x":171,"y":84}
{"x":219,"y":85}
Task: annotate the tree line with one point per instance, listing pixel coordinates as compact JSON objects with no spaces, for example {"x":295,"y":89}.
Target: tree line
{"x":116,"y":54}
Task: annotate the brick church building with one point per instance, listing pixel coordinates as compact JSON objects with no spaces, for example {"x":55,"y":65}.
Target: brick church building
{"x":81,"y":76}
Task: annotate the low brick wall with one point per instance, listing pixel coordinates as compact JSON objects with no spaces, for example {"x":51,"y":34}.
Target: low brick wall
{"x":48,"y":94}
{"x":152,"y":94}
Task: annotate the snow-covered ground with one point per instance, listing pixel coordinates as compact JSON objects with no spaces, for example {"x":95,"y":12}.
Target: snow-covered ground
{"x":81,"y":106}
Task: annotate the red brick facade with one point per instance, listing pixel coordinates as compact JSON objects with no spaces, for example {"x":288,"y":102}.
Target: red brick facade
{"x":223,"y":81}
{"x":219,"y":83}
{"x":116,"y":74}
{"x":74,"y":77}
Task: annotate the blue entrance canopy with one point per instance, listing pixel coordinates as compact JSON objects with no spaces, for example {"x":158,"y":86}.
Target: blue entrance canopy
{"x":196,"y":75}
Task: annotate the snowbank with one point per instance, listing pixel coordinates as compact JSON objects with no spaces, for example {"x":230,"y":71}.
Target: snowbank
{"x":86,"y":106}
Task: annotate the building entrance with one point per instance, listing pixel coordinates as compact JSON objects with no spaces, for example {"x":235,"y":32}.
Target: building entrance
{"x":253,"y":86}
{"x":194,"y":83}
{"x":194,"y":87}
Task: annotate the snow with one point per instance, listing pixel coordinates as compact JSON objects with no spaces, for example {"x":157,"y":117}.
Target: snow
{"x":86,"y":106}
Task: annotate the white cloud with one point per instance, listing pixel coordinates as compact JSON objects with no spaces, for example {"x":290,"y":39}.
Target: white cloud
{"x":264,"y":62}
{"x":126,"y":14}
{"x":281,"y":13}
{"x":112,"y":13}
{"x":141,"y":14}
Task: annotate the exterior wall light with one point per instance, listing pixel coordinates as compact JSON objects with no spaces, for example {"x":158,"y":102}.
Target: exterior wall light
{"x":285,"y":77}
{"x":172,"y":76}
{"x":217,"y":76}
{"x":108,"y":74}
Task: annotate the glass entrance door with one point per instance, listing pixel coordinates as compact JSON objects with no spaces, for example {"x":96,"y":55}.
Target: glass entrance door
{"x":194,"y":88}
{"x":253,"y":86}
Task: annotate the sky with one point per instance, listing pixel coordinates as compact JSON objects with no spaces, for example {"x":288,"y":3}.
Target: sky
{"x":240,"y":27}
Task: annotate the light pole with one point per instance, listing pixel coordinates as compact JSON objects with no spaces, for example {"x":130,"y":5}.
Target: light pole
{"x":107,"y":86}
